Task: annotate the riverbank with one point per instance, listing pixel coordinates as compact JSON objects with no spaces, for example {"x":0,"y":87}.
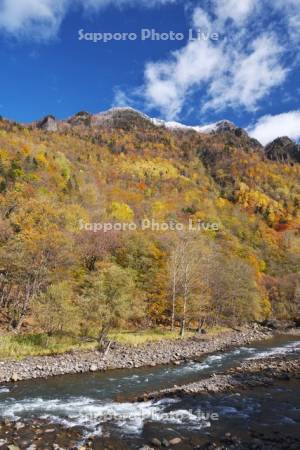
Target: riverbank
{"x":122,"y":356}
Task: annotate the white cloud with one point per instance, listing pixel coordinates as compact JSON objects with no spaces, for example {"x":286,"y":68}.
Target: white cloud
{"x":168,"y":83}
{"x":289,"y":11}
{"x":270,"y":127}
{"x":250,"y":75}
{"x":34,"y":18}
{"x":237,"y":10}
{"x":41,"y":19}
{"x":236,"y":71}
{"x":201,"y":20}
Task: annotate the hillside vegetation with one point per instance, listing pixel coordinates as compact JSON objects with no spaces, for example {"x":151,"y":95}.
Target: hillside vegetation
{"x":60,"y":276}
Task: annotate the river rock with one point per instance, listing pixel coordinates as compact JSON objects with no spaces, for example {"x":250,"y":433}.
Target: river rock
{"x":156,"y":442}
{"x":15,"y":377}
{"x":19,"y":426}
{"x":175,"y":441}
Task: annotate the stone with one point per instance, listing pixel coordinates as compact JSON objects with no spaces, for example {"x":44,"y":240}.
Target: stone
{"x":156,"y":442}
{"x":175,"y":441}
{"x":15,"y":377}
{"x":93,"y":368}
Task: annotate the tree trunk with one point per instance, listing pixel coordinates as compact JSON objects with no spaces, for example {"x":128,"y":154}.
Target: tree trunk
{"x":182,"y":330}
{"x":107,"y":349}
{"x":173,"y":302}
{"x":103,"y":336}
{"x":185,"y":296}
{"x":200,"y":324}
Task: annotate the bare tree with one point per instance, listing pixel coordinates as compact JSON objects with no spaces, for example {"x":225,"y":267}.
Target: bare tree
{"x":174,"y":272}
{"x":191,"y":267}
{"x":94,"y":246}
{"x":187,"y":274}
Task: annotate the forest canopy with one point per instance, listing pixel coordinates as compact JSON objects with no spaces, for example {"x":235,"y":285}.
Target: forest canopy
{"x":59,"y":275}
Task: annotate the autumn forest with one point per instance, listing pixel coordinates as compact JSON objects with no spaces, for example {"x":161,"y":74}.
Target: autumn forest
{"x":58,"y":277}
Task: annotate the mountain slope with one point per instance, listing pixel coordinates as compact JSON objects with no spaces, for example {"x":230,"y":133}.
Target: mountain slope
{"x":59,"y":178}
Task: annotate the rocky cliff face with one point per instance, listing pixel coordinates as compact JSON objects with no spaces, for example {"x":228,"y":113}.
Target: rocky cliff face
{"x":283,"y":149}
{"x":48,"y":123}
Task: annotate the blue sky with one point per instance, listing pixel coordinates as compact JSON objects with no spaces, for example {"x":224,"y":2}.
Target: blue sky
{"x":248,"y":73}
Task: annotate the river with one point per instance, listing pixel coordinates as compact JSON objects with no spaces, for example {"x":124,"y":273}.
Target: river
{"x":100,"y":404}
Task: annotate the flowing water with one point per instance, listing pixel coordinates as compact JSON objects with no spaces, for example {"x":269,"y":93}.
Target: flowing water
{"x":98,"y":401}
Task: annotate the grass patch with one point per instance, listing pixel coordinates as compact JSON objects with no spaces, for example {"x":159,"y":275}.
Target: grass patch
{"x":20,"y":346}
{"x":142,"y":337}
{"x":40,"y":344}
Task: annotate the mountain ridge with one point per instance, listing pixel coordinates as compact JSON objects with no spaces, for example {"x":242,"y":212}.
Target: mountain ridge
{"x":281,"y":149}
{"x":123,"y":117}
